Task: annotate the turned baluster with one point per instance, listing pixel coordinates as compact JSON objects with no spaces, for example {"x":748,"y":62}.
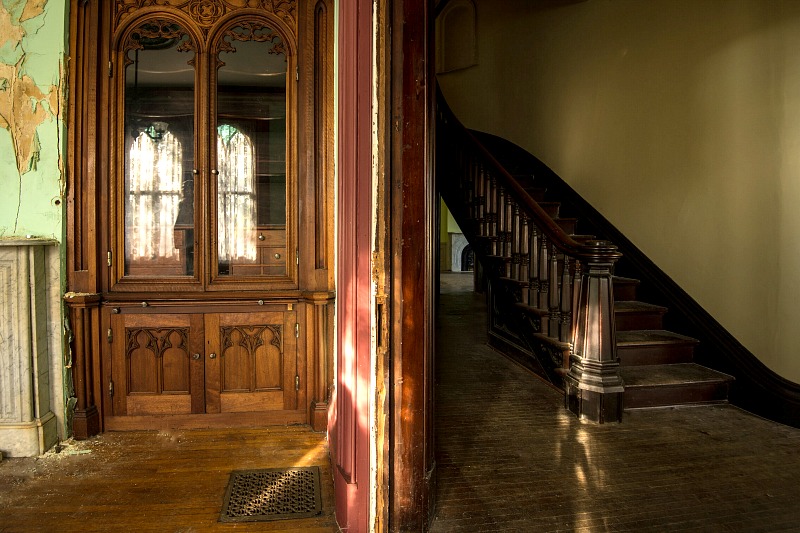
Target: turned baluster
{"x":552,"y":294}
{"x":480,"y":201}
{"x":516,"y":236}
{"x":544,"y":275}
{"x":500,"y":231}
{"x":524,"y":251}
{"x":508,"y":234}
{"x":577,"y":281}
{"x":468,"y":193}
{"x":533,"y":261}
{"x":544,"y":283}
{"x":565,"y":329}
{"x":491,"y":213}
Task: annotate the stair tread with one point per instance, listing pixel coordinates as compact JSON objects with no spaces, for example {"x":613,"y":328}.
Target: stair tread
{"x":635,"y":306}
{"x":670,"y":375}
{"x":622,"y":279}
{"x":640,"y":337}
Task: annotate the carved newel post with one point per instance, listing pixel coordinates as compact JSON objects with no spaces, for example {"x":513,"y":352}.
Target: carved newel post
{"x":593,"y":385}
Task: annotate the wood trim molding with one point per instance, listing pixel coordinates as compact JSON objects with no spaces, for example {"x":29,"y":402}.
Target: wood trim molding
{"x":414,"y":207}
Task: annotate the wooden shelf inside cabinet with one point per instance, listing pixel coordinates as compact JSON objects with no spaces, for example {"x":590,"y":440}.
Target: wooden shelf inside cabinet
{"x":270,"y":255}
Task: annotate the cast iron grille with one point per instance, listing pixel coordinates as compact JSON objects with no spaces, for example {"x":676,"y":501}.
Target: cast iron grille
{"x":272,"y":494}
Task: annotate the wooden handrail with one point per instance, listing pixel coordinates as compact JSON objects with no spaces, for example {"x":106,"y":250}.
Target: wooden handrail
{"x":595,"y":250}
{"x":556,"y":292}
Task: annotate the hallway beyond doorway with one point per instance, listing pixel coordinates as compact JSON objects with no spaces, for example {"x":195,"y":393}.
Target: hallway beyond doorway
{"x":512,"y":458}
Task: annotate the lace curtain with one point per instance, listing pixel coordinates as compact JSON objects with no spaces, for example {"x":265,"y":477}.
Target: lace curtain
{"x":154,"y":192}
{"x":236,"y":196}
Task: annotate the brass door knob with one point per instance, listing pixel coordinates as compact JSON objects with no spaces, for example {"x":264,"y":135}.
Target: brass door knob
{"x":212,"y":356}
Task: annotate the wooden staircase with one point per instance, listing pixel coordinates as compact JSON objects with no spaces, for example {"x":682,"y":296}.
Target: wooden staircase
{"x":552,"y":291}
{"x":657,"y":365}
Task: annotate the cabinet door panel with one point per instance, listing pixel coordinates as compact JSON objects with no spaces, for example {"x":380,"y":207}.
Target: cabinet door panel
{"x":154,"y":367}
{"x":254,"y":364}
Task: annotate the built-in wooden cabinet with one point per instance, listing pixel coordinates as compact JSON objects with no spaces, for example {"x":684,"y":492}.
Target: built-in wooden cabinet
{"x":202,"y":156}
{"x":195,"y":363}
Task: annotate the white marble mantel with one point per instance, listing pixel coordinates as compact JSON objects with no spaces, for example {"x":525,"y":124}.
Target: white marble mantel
{"x":29,"y":346}
{"x":457,"y":244}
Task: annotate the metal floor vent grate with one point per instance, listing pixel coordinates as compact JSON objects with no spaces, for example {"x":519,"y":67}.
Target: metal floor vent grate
{"x":272,"y":494}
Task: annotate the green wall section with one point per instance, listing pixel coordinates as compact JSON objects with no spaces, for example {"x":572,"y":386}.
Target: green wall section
{"x":32,"y":132}
{"x":679,"y":120}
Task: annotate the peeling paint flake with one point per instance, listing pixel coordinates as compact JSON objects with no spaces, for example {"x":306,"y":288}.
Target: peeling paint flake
{"x":9,"y":31}
{"x":21,"y":113}
{"x":23,"y":104}
{"x":33,"y":8}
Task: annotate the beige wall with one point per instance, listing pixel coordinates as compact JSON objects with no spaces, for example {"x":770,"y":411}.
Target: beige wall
{"x":679,"y":120}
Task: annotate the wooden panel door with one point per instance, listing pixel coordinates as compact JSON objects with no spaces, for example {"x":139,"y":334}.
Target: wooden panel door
{"x":251,"y":362}
{"x":157,"y":364}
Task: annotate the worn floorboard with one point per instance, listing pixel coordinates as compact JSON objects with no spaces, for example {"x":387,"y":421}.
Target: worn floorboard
{"x":160,"y":481}
{"x":511,"y":458}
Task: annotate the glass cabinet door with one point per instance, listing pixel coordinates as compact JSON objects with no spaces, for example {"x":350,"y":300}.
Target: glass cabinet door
{"x":159,"y":188}
{"x":249,"y":177}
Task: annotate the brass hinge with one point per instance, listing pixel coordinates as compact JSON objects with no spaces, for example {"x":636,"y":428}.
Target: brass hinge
{"x":297,"y":330}
{"x":297,"y":256}
{"x":297,"y":73}
{"x":111,"y":388}
{"x":109,"y":258}
{"x":110,"y":335}
{"x":110,"y":69}
{"x":297,"y":383}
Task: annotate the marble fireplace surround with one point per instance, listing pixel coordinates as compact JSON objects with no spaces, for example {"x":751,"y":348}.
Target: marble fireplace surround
{"x":31,"y":368}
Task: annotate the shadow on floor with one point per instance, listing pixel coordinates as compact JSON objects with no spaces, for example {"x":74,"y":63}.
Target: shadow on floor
{"x":512,"y":458}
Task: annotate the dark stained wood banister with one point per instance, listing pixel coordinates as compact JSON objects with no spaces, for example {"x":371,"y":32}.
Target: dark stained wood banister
{"x":585,"y":251}
{"x":555,"y":291}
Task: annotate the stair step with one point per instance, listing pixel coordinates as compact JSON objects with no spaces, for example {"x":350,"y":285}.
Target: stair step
{"x":551,"y":208}
{"x":537,"y":193}
{"x":625,"y":288}
{"x":677,"y":384}
{"x":567,"y":224}
{"x":524,"y":179}
{"x":654,"y":347}
{"x":630,"y":315}
{"x":583,"y":238}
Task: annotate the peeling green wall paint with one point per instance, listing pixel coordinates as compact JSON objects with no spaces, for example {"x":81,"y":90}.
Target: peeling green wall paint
{"x":33,"y":36}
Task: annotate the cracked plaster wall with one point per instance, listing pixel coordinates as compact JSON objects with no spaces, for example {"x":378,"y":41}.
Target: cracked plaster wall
{"x":33,"y":42}
{"x":33,"y":36}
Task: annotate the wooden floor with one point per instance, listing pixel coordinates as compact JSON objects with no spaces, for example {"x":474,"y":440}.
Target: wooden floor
{"x":164,"y":481}
{"x":511,"y":458}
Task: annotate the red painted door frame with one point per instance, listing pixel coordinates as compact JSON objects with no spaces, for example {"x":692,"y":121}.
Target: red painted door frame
{"x":411,"y":225}
{"x":349,"y":423}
